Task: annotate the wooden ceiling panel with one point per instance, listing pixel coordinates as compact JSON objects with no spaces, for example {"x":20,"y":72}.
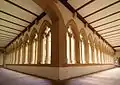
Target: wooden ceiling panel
{"x":103,"y":13}
{"x":77,"y":3}
{"x":7,"y":7}
{"x":29,"y":5}
{"x":96,"y":5}
{"x":106,"y":20}
{"x":108,"y":25}
{"x":15,"y":17}
{"x":12,"y":19}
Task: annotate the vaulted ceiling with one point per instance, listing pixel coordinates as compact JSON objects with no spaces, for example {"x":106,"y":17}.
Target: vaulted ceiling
{"x":15,"y":17}
{"x":103,"y":16}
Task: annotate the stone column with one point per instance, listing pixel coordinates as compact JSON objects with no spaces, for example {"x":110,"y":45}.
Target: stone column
{"x":29,"y":52}
{"x":86,"y":52}
{"x":58,"y":38}
{"x":46,"y":59}
{"x":77,"y":51}
{"x":93,"y":57}
{"x":23,"y":53}
{"x":4,"y":59}
{"x":40,"y":46}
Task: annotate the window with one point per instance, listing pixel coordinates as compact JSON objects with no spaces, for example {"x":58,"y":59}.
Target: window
{"x":70,"y":39}
{"x":26,"y":52}
{"x":46,"y":46}
{"x":34,"y":50}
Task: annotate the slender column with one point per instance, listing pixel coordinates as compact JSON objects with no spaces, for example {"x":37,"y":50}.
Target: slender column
{"x":70,"y":47}
{"x":23,"y":54}
{"x":92,"y":49}
{"x":30,"y":52}
{"x":19,"y":55}
{"x":46,"y":59}
{"x":4,"y":59}
{"x":36,"y":50}
{"x":40,"y":49}
{"x":86,"y":52}
{"x":77,"y":51}
{"x":15,"y":55}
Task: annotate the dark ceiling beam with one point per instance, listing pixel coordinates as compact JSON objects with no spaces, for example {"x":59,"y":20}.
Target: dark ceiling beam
{"x":107,"y":23}
{"x":102,"y":9}
{"x":8,"y":32}
{"x":28,"y":27}
{"x":110,"y":31}
{"x":108,"y":28}
{"x":104,"y":17}
{"x":12,"y":22}
{"x":85,"y":5}
{"x":111,"y":34}
{"x":21,"y":7}
{"x":14,"y":16}
{"x":10,"y":28}
{"x":67,"y":5}
{"x":116,"y":46}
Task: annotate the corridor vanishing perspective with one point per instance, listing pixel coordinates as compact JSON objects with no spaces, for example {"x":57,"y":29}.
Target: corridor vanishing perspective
{"x":60,"y":40}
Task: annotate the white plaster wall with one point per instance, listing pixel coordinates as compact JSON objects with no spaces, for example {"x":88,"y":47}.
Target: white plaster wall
{"x":69,"y":72}
{"x":47,"y":72}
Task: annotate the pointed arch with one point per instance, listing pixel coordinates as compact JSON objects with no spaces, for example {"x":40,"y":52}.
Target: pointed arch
{"x":43,"y":26}
{"x":44,"y":44}
{"x":33,"y":47}
{"x":20,"y":41}
{"x":16,"y":52}
{"x":95,"y":51}
{"x":20,"y":51}
{"x":26,"y":49}
{"x":84,"y":47}
{"x":74,"y":27}
{"x":72,"y":42}
{"x":90,"y":48}
{"x":99,"y":52}
{"x":33,"y":34}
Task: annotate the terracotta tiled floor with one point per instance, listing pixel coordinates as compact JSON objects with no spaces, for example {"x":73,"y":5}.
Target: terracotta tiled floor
{"x":108,"y":77}
{"x":8,"y":77}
